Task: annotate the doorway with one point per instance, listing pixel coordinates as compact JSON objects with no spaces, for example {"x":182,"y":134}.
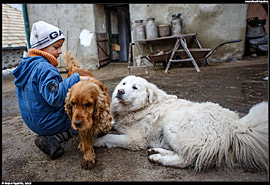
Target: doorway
{"x":118,"y":26}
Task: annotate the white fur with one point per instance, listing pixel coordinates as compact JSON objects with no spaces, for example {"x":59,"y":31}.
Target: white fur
{"x":183,"y":133}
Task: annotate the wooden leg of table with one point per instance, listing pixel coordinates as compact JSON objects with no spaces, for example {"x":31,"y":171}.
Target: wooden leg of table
{"x":150,"y":47}
{"x":183,"y":43}
{"x":138,"y":47}
{"x":141,"y":56}
{"x":168,"y":65}
{"x":129,"y":57}
{"x":177,"y":44}
{"x":145,"y":69}
{"x":206,"y":62}
{"x":198,"y":43}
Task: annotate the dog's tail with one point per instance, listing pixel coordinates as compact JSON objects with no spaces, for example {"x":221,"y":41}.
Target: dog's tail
{"x":71,"y":63}
{"x":250,"y":141}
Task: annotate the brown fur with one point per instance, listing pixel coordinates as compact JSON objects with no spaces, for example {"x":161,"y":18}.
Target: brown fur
{"x":88,"y":103}
{"x":73,"y":66}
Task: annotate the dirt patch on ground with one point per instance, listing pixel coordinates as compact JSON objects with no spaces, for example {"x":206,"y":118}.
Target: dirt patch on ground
{"x":234,"y":85}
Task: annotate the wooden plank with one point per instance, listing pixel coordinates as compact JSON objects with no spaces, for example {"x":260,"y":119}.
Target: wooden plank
{"x":103,"y":46}
{"x":182,"y":60}
{"x":169,"y":37}
{"x":195,"y":49}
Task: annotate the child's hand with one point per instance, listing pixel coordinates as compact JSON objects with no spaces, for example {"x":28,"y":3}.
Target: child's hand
{"x":85,"y":78}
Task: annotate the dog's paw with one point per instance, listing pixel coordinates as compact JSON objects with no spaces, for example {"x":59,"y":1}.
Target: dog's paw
{"x":96,"y":142}
{"x":152,"y":151}
{"x":88,"y":164}
{"x":161,"y":151}
{"x":99,"y":142}
{"x":155,"y":158}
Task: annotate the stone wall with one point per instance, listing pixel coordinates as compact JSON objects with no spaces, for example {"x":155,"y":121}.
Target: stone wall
{"x":11,"y":58}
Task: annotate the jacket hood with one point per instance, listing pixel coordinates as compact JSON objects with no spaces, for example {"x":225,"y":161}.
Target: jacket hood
{"x":24,"y":70}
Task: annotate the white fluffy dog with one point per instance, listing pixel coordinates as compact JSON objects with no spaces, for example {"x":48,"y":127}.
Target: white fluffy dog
{"x":182,"y":133}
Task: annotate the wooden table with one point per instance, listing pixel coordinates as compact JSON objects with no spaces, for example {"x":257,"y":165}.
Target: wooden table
{"x":180,"y":40}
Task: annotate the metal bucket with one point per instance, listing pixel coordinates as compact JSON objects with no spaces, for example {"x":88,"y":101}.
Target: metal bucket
{"x":164,"y":30}
{"x":139,"y":30}
{"x":176,"y":24}
{"x":151,"y":29}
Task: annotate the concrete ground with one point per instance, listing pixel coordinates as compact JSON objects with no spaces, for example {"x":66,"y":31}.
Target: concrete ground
{"x":234,"y":85}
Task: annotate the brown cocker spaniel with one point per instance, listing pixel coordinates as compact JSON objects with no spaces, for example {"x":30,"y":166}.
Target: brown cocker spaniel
{"x":88,"y":106}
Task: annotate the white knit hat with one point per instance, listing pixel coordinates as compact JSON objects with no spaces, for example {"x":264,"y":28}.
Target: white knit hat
{"x":44,"y":34}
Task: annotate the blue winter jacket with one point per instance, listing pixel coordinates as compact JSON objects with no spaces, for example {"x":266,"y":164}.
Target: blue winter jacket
{"x":41,"y":93}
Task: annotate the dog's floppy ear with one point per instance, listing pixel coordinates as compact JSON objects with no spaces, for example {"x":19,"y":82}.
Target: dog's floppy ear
{"x":150,"y":94}
{"x":102,"y":117}
{"x":68,"y":106}
{"x":154,"y":93}
{"x":102,"y":87}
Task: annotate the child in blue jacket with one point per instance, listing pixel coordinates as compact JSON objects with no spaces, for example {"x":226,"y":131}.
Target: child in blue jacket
{"x":41,"y":91}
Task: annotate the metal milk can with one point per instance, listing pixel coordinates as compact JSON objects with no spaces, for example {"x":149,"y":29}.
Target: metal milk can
{"x":139,"y":30}
{"x":176,"y":24}
{"x":151,"y":29}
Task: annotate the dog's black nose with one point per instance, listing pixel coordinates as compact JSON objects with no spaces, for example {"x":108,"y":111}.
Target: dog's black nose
{"x":121,"y":91}
{"x":78,"y":123}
